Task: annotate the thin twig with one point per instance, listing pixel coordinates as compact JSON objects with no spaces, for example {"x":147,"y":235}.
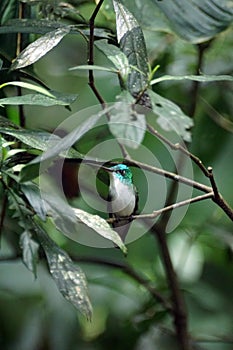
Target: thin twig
{"x":217,"y":198}
{"x":156,"y":213}
{"x":179,"y":308}
{"x":127,"y":269}
{"x":179,"y":147}
{"x":170,"y":175}
{"x":168,"y":208}
{"x":91,"y":53}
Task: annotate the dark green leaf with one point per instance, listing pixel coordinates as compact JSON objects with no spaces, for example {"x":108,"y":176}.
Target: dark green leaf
{"x":99,"y":225}
{"x":39,"y":48}
{"x":133,"y":45}
{"x":39,"y":100}
{"x":8,"y":10}
{"x":68,"y":277}
{"x":30,"y":251}
{"x":125,"y":123}
{"x":197,"y":20}
{"x":32,"y":193}
{"x":170,"y":116}
{"x":44,"y":26}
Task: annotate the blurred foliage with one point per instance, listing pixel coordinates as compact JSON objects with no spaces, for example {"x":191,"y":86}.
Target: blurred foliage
{"x":33,"y":314}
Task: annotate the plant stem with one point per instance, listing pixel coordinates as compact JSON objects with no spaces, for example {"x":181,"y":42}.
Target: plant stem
{"x":91,"y":53}
{"x":127,"y":269}
{"x":179,"y":308}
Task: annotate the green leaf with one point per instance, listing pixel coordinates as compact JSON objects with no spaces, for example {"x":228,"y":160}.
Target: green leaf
{"x":33,"y":195}
{"x":8,"y":9}
{"x":69,"y":278}
{"x":30,"y":251}
{"x":59,"y":210}
{"x":43,"y":26}
{"x":39,"y":100}
{"x":116,"y":56}
{"x":197,"y":21}
{"x":100,"y":226}
{"x":94,"y":67}
{"x":170,"y":116}
{"x":201,"y":78}
{"x":37,"y":139}
{"x":61,"y":146}
{"x":39,"y":48}
{"x":126,"y":124}
{"x":29,"y":86}
{"x":132,"y":44}
{"x":40,"y":140}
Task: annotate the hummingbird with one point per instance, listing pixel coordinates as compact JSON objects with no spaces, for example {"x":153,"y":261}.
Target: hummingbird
{"x":122,"y":198}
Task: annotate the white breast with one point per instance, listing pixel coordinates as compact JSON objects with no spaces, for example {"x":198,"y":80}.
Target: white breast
{"x":123,"y":197}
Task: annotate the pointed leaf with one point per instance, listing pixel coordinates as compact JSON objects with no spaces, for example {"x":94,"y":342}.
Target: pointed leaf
{"x":201,"y":78}
{"x":170,"y":116}
{"x":39,"y":48}
{"x":99,"y":225}
{"x":30,"y":251}
{"x":29,"y":86}
{"x":68,"y":277}
{"x":38,"y":100}
{"x":94,"y":67}
{"x":132,"y":43}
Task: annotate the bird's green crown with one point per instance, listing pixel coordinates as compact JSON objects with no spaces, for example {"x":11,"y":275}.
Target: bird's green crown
{"x":123,"y":173}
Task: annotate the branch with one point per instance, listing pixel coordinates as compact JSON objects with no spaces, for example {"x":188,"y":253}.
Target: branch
{"x":168,"y":208}
{"x":156,"y":213}
{"x":217,"y":198}
{"x":128,"y":270}
{"x":91,"y":53}
{"x":208,"y":172}
{"x":179,"y":308}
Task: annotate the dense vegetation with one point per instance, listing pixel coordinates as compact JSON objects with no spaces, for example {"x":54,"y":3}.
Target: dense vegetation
{"x":86,"y":83}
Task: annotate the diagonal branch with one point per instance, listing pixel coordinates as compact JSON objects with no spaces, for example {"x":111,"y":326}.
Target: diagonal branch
{"x":128,"y":270}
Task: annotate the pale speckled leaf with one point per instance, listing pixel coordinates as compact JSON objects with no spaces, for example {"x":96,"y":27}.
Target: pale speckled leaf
{"x":100,"y":226}
{"x":69,"y":278}
{"x":170,"y":116}
{"x":39,"y":48}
